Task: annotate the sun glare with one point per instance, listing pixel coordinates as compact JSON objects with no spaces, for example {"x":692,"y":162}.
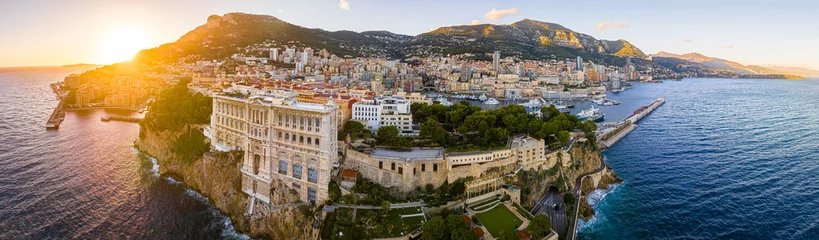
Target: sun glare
{"x":122,"y":44}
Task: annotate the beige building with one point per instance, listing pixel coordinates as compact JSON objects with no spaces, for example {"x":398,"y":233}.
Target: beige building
{"x":286,"y":142}
{"x":417,"y":167}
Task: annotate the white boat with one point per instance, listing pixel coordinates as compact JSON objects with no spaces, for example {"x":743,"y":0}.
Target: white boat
{"x":444,"y":101}
{"x":491,"y":101}
{"x":482,"y":97}
{"x":592,"y":113}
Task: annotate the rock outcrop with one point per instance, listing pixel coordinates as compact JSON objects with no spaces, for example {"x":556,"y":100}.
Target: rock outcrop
{"x":218,"y":177}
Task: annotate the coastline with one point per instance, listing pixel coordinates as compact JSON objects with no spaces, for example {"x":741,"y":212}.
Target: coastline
{"x":217,"y":177}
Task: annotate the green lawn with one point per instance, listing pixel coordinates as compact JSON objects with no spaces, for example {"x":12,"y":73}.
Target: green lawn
{"x":391,"y":226}
{"x":499,"y":219}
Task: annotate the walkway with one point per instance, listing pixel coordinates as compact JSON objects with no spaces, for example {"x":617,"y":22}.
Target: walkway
{"x":392,"y":205}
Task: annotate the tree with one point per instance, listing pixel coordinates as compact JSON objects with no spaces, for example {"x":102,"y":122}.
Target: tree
{"x":385,"y":206}
{"x":589,"y":126}
{"x":431,"y":129}
{"x":568,"y":199}
{"x":539,"y":227}
{"x":334,"y":191}
{"x":387,"y":135}
{"x":353,"y":128}
{"x":454,"y":221}
{"x":563,"y":137}
{"x":435,"y":229}
{"x":463,"y":234}
{"x":458,"y":188}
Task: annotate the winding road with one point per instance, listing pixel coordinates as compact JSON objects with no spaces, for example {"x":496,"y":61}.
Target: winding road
{"x":576,"y":191}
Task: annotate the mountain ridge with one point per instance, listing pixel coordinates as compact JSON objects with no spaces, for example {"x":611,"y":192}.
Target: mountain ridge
{"x":531,"y":39}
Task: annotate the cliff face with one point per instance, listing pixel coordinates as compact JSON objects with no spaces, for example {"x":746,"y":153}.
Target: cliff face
{"x":218,"y":177}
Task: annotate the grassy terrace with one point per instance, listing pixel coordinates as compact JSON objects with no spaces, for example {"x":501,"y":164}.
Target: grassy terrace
{"x":373,"y":224}
{"x":500,"y":221}
{"x":523,"y":211}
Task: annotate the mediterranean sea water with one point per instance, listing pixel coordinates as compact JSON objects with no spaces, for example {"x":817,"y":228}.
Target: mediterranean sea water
{"x":722,"y":159}
{"x":85,"y":180}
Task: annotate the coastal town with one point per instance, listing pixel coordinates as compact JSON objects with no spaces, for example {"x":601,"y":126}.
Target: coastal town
{"x":402,"y":142}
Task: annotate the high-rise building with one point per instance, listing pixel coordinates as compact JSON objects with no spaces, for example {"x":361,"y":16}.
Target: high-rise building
{"x":287,"y":143}
{"x":274,"y":54}
{"x":306,"y":55}
{"x":578,"y":64}
{"x":496,"y":61}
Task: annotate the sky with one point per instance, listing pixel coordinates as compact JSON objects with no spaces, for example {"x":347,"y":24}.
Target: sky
{"x":58,"y":32}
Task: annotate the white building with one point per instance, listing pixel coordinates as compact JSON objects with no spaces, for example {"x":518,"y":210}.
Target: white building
{"x":286,"y":143}
{"x":385,"y":111}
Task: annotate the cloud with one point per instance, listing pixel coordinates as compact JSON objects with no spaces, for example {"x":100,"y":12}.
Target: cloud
{"x":475,"y":22}
{"x":688,"y":40}
{"x":727,"y":46}
{"x":495,"y":14}
{"x":603,"y":26}
{"x":344,"y":4}
{"x":280,"y":10}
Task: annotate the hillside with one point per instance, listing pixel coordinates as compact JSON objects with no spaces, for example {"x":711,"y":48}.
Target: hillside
{"x":717,"y":63}
{"x":220,"y":36}
{"x":793,"y":70}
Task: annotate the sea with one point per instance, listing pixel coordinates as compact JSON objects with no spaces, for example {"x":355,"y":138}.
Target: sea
{"x":86,"y":180}
{"x":722,"y":159}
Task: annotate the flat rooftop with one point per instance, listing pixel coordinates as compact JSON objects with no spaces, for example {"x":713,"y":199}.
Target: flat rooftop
{"x":409,"y":153}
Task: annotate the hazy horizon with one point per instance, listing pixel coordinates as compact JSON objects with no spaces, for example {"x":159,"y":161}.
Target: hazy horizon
{"x":102,"y":32}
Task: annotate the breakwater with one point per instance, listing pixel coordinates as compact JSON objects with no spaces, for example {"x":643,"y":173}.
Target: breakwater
{"x":624,"y":127}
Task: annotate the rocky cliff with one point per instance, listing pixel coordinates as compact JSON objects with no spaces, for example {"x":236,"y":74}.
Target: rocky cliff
{"x":218,"y":177}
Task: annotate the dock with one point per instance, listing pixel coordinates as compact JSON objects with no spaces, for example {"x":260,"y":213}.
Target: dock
{"x":624,"y":127}
{"x":121,"y":119}
{"x":57,"y":117}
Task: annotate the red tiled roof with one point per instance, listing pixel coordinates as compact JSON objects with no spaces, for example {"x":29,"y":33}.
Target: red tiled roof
{"x":523,"y":235}
{"x":478,"y":232}
{"x":349,"y":174}
{"x":467,"y":219}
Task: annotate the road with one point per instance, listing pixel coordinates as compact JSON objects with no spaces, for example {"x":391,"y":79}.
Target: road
{"x":545,"y":206}
{"x":576,"y":191}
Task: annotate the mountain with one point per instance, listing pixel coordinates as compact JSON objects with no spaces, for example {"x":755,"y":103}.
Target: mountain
{"x":793,"y":70}
{"x":713,"y":62}
{"x":220,"y":37}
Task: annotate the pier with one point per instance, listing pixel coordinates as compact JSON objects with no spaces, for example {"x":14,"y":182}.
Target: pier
{"x":121,"y":119}
{"x":622,"y":128}
{"x":57,"y":117}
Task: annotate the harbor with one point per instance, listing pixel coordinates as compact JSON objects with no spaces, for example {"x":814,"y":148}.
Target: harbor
{"x":610,"y":133}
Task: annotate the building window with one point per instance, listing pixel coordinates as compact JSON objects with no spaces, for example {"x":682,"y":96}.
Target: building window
{"x":297,"y":171}
{"x":309,"y":140}
{"x":282,"y":167}
{"x":312,"y":175}
{"x":280,"y":135}
{"x":400,"y":170}
{"x":393,"y":166}
{"x":380,"y":165}
{"x":317,"y":141}
{"x":311,"y":194}
{"x":434,"y":167}
{"x":423,"y":167}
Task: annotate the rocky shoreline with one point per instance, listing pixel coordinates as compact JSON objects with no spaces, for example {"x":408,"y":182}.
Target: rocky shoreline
{"x":218,"y":178}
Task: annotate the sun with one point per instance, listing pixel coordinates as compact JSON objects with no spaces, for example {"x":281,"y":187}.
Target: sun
{"x":122,"y":44}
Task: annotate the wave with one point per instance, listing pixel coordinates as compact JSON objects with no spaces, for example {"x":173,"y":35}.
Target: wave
{"x":228,"y":230}
{"x":594,"y":199}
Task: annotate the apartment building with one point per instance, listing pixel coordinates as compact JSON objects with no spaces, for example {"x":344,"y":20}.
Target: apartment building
{"x":385,"y":111}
